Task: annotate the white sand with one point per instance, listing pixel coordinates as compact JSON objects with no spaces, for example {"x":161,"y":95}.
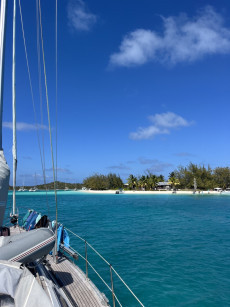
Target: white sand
{"x":149,"y":192}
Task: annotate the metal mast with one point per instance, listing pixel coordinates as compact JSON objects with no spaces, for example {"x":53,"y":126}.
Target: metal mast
{"x":14,"y":113}
{"x":2,"y":52}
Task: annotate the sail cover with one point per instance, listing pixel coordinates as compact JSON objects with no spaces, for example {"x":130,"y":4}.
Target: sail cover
{"x":21,"y":288}
{"x":4,"y":185}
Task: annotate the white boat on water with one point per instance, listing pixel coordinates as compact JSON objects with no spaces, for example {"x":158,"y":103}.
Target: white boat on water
{"x":34,"y":189}
{"x":29,"y":275}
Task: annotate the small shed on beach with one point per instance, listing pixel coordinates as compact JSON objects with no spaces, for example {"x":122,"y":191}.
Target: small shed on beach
{"x":164,"y":185}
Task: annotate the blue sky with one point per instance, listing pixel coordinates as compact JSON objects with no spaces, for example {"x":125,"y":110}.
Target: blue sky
{"x":141,"y":85}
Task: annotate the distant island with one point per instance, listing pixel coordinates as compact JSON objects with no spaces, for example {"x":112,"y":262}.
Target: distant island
{"x":50,"y":186}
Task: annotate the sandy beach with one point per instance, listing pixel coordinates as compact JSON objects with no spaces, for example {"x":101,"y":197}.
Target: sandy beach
{"x":150,"y":192}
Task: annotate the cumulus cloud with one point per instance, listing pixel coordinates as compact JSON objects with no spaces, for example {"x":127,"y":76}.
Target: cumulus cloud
{"x":22,"y":126}
{"x":182,"y":40}
{"x":79,"y":17}
{"x":161,"y":124}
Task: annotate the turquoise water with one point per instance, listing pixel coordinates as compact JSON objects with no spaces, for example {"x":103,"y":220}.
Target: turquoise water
{"x":172,"y":250}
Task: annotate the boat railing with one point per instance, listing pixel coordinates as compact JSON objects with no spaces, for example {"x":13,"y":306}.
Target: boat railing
{"x":111,"y":270}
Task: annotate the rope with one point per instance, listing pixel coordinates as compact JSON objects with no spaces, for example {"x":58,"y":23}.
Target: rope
{"x":31,"y":88}
{"x":48,"y":112}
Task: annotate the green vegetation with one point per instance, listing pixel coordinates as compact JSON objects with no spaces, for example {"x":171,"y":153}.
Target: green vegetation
{"x":50,"y":186}
{"x":181,"y":178}
{"x":144,"y":182}
{"x":206,"y":178}
{"x":103,"y":182}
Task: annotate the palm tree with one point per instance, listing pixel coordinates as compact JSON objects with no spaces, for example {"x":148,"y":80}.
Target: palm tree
{"x":173,"y":180}
{"x":132,"y":181}
{"x":142,"y":182}
{"x":152,"y":181}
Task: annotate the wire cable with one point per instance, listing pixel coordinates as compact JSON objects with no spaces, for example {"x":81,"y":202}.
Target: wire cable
{"x":30,"y":82}
{"x":41,"y":102}
{"x":48,"y":113}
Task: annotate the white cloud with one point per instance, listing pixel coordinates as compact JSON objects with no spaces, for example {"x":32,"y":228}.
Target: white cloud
{"x":169,"y":120}
{"x":21,"y":126}
{"x":78,"y":16}
{"x":183,"y":40}
{"x":147,"y":133}
{"x":162,"y":124}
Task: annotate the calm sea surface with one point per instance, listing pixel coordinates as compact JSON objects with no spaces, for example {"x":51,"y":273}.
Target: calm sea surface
{"x":171,"y":250}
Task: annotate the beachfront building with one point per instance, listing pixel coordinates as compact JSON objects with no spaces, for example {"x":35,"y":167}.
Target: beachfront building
{"x":164,"y":186}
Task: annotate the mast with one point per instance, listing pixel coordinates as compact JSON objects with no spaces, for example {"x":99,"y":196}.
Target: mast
{"x":2,"y":52}
{"x":4,"y":168}
{"x":14,"y":112}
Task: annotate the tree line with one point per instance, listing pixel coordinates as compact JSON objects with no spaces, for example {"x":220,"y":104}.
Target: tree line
{"x":184,"y":177}
{"x":181,"y":178}
{"x":103,"y":182}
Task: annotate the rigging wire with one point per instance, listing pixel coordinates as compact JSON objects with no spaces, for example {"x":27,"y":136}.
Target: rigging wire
{"x":40,"y":95}
{"x":14,"y":149}
{"x":48,"y":112}
{"x":56,"y":54}
{"x":30,"y":82}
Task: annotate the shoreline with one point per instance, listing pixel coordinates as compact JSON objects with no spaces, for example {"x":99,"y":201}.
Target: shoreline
{"x":151,"y":192}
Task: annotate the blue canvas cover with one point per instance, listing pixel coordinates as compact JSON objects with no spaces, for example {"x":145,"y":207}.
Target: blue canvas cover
{"x":25,"y":218}
{"x":65,"y":238}
{"x":38,"y":218}
{"x":29,"y":219}
{"x":59,"y":236}
{"x":32,"y":223}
